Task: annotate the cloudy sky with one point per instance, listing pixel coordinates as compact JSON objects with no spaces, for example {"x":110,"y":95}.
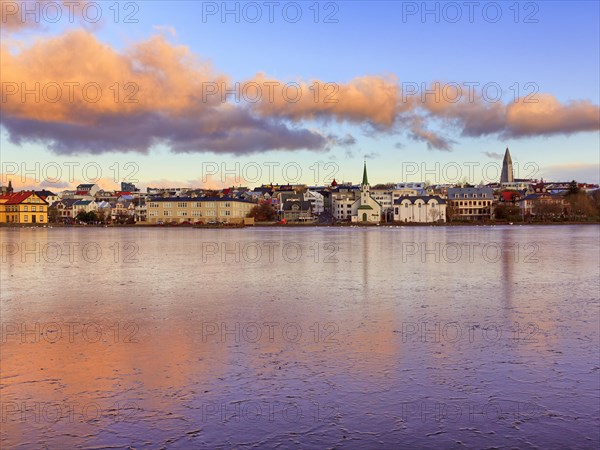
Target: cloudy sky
{"x":205,"y":93}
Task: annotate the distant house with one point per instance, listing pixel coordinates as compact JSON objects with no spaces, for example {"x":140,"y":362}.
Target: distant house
{"x":297,"y":211}
{"x":420,"y":209}
{"x":85,"y":206}
{"x":317,"y":201}
{"x":87,"y":189}
{"x":122,"y":209}
{"x":472,"y":203}
{"x":544,"y":205}
{"x":49,"y":196}
{"x":24,"y":207}
{"x":64,"y":208}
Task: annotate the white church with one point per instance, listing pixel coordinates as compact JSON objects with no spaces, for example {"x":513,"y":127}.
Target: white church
{"x":366,"y":209}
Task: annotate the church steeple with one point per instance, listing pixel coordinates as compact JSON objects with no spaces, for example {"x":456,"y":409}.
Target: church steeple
{"x":506,"y":175}
{"x":365,"y":180}
{"x":10,"y":188}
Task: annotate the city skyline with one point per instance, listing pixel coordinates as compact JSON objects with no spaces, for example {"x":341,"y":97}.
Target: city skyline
{"x":386,"y":108}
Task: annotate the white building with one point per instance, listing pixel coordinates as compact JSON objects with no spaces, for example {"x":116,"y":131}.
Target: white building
{"x":420,"y":208}
{"x":366,"y":209}
{"x":317,"y":200}
{"x":342,"y":199}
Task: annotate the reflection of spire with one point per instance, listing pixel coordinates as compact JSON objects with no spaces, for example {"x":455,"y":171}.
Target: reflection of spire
{"x":365,"y":180}
{"x":507,"y":168}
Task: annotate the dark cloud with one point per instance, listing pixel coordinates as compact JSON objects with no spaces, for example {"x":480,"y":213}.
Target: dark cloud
{"x":493,"y":155}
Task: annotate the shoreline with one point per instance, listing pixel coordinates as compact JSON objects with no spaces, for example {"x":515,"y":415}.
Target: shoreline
{"x":300,"y":225}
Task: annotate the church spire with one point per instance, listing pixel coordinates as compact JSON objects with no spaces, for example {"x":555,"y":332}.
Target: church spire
{"x":506,"y":175}
{"x":365,"y":180}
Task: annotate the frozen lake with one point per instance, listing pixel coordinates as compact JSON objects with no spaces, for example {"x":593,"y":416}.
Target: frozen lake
{"x":405,"y":337}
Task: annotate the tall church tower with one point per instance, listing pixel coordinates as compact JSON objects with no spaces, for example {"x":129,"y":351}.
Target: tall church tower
{"x":507,"y":169}
{"x":364,"y":187}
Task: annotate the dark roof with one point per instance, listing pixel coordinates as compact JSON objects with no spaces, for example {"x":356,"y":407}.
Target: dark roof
{"x":197,"y":199}
{"x":425,"y":198}
{"x":68,"y":201}
{"x":304,"y":205}
{"x":44,"y":193}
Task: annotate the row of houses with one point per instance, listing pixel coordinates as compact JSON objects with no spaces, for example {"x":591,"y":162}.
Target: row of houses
{"x":400,"y":202}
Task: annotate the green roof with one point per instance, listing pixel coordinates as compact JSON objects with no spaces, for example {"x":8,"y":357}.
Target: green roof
{"x":364,"y":207}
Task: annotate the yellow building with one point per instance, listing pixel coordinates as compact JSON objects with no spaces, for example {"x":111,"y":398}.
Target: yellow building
{"x":24,"y":207}
{"x":199,"y":209}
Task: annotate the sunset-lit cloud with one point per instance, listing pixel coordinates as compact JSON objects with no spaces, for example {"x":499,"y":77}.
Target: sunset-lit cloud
{"x":156,"y":93}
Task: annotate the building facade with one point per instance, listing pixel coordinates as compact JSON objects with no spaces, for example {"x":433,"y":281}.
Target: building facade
{"x":23,"y":208}
{"x":473,"y":203}
{"x":420,"y":209}
{"x":366,"y":209}
{"x":198,"y":209}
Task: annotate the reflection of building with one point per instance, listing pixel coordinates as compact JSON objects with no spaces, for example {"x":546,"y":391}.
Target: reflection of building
{"x":366,"y":208}
{"x":507,"y":169}
{"x":198,"y":209}
{"x":471,"y":203}
{"x":23,"y":207}
{"x":420,"y":209}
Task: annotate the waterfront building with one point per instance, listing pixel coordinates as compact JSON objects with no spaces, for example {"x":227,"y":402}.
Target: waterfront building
{"x":297,"y":211}
{"x":420,"y":209}
{"x":25,"y":207}
{"x":473,"y":203}
{"x":366,"y":209}
{"x":199,"y":209}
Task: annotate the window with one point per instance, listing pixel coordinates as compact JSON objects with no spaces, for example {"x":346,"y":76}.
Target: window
{"x":168,"y":205}
{"x":26,"y":218}
{"x":153,"y":205}
{"x":41,"y":218}
{"x":227,"y":204}
{"x":182,"y":205}
{"x":182,"y":213}
{"x":227,"y":213}
{"x":26,"y":208}
{"x":196,"y":213}
{"x":168,"y":213}
{"x":406,"y":205}
{"x":33,"y":208}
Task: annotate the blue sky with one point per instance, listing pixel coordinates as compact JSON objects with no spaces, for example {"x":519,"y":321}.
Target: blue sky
{"x":559,"y":54}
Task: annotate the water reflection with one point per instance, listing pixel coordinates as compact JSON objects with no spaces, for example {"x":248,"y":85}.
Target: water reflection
{"x":382,"y":345}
